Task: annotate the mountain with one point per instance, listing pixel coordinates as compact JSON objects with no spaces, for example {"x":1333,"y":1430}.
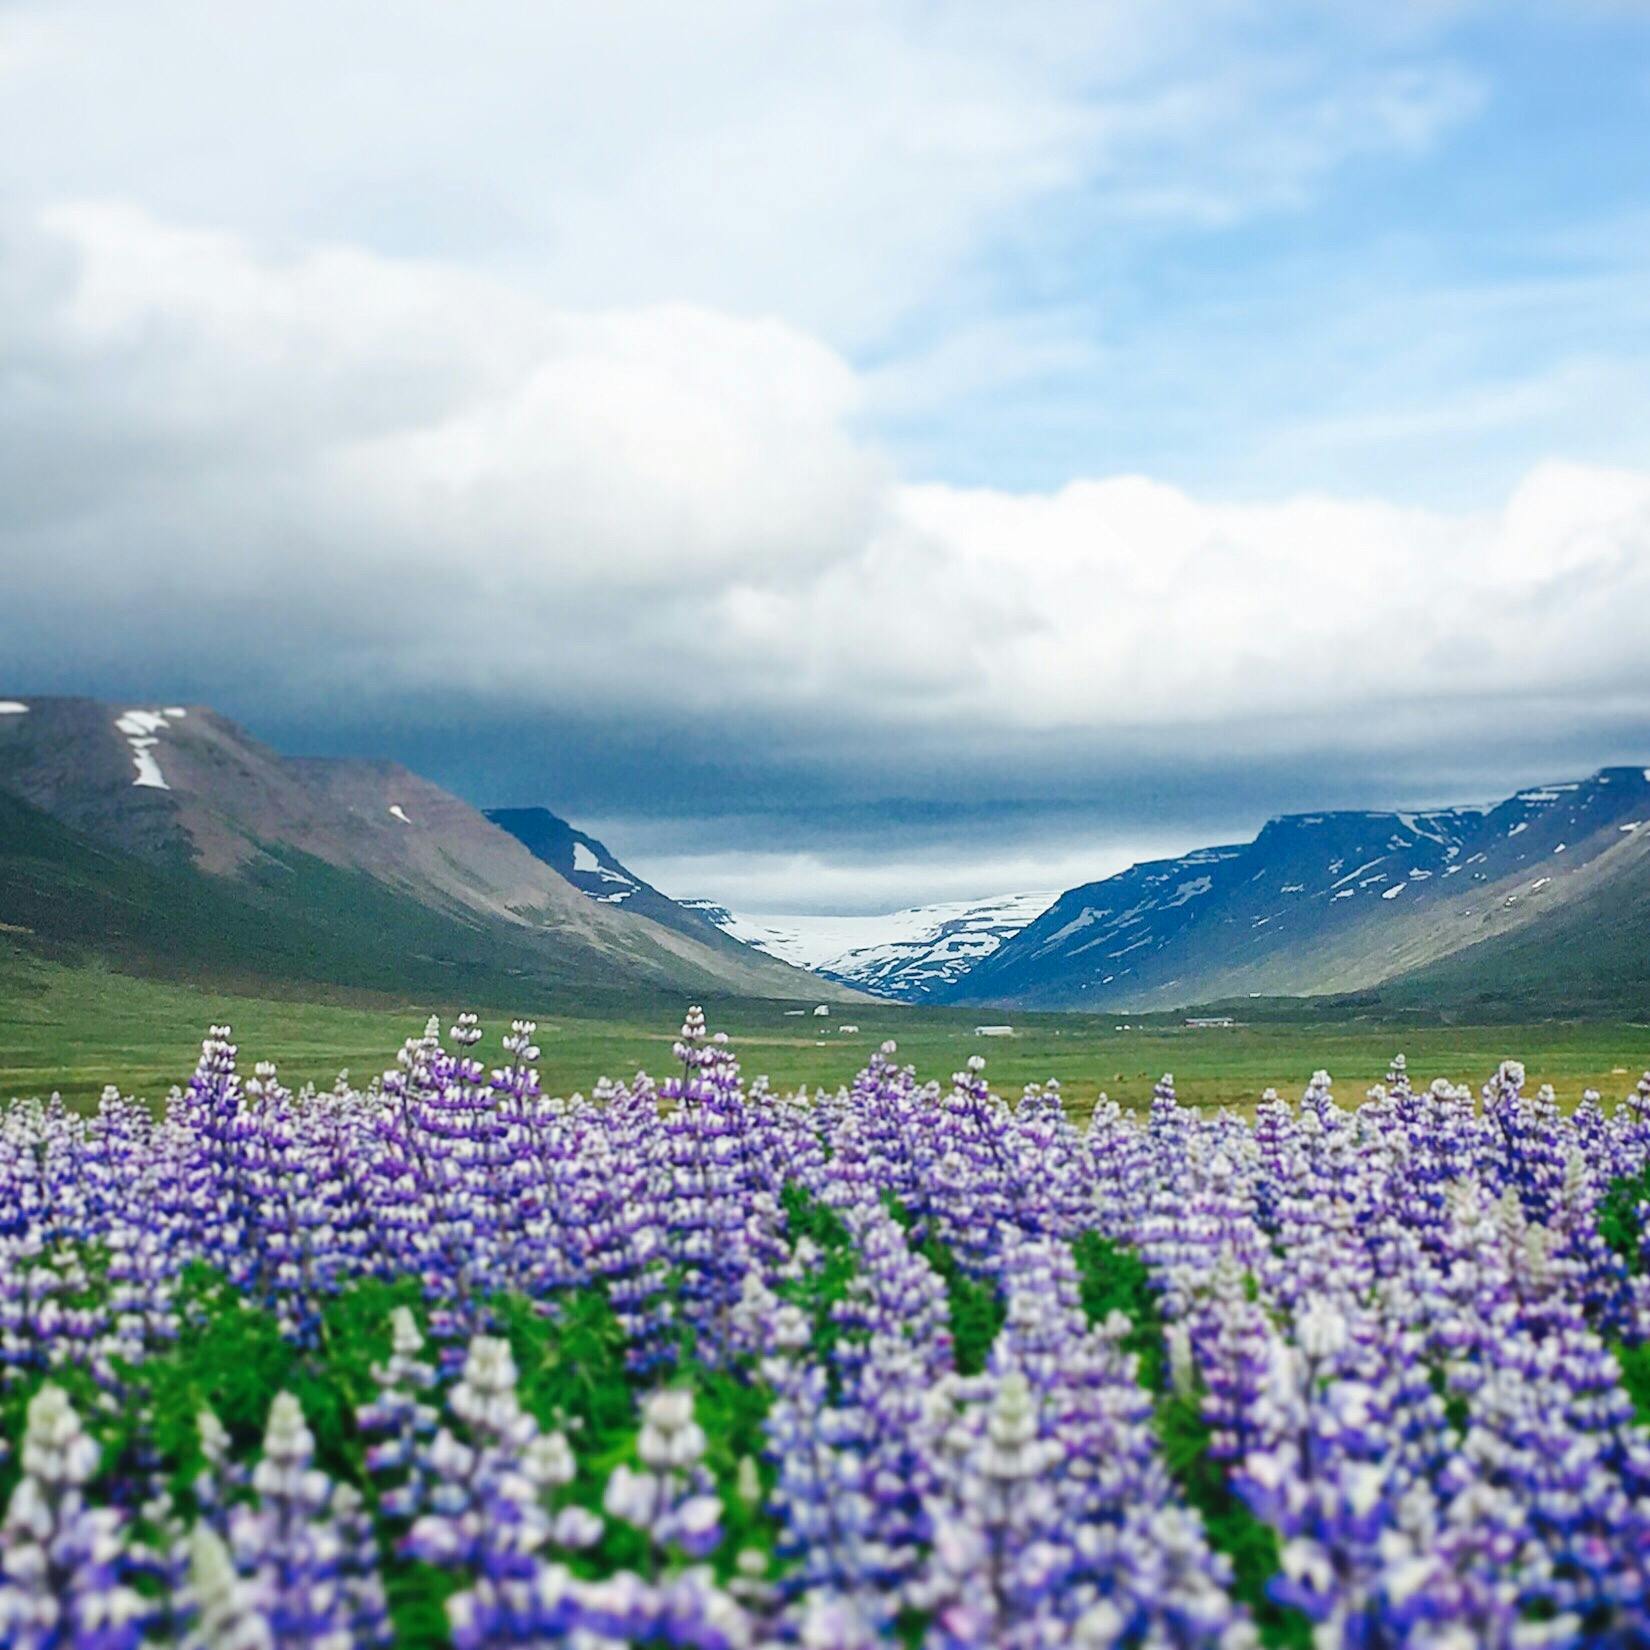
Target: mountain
{"x":910,"y":955}
{"x":1513,"y":901}
{"x":169,"y":839}
{"x":596,"y":872}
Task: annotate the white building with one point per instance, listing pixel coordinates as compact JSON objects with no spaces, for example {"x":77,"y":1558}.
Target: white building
{"x":821,"y":1011}
{"x":993,"y":1031}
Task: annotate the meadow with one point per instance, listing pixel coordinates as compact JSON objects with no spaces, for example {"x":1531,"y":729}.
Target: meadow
{"x":445,"y":1359}
{"x":72,"y":1030}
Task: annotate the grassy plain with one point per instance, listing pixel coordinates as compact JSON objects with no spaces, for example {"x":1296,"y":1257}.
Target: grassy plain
{"x":74,"y":1029}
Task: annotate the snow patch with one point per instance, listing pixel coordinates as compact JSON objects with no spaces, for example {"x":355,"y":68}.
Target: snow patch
{"x":1346,"y":893}
{"x":1522,"y":825}
{"x":141,"y":729}
{"x":12,"y":707}
{"x":1368,"y":865}
{"x":892,"y":953}
{"x":1561,"y":847}
{"x":1394,"y":891}
{"x":136,"y":723}
{"x":585,"y":863}
{"x":1188,"y":891}
{"x":400,"y":813}
{"x":148,"y":769}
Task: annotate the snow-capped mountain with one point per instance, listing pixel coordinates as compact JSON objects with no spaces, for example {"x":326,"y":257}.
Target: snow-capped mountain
{"x":1326,"y":902}
{"x":596,"y":872}
{"x":910,"y":955}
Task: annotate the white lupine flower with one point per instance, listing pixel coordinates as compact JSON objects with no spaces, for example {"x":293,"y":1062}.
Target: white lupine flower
{"x":1322,"y":1330}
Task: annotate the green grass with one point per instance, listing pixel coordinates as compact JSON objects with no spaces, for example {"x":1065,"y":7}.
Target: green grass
{"x":73,"y":1028}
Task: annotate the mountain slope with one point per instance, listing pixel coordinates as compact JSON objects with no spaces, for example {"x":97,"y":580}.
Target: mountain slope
{"x":1588,"y":955}
{"x":336,"y":850}
{"x":1326,"y":903}
{"x":909,"y":955}
{"x":589,"y":866}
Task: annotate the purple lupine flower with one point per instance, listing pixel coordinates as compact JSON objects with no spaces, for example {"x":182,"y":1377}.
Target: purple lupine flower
{"x":488,"y":1518}
{"x":670,"y":1497}
{"x":399,"y":1421}
{"x":64,"y":1565}
{"x":303,"y":1546}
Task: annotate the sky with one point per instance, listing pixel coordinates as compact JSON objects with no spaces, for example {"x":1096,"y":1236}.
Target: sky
{"x":846,"y":454}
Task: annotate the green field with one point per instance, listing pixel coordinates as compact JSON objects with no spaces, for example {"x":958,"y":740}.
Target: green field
{"x":74,"y":1029}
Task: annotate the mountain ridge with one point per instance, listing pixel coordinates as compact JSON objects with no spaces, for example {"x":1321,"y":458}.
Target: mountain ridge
{"x":589,"y":865}
{"x":1326,"y":902}
{"x":186,"y":794}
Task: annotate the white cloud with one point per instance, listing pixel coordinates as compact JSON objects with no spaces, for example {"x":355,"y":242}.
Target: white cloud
{"x":832,"y":161}
{"x":402,"y":478}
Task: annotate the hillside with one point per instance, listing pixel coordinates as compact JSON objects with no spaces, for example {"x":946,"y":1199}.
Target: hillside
{"x":170,"y":840}
{"x":1535,"y":893}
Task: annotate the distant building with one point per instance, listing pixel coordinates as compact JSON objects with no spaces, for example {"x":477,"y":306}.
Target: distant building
{"x":845,"y":1029}
{"x":1212,"y":1021}
{"x":993,"y":1031}
{"x":822,"y":1010}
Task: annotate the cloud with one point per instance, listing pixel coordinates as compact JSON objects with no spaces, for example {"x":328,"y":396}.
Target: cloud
{"x":833,"y":161}
{"x":404,"y":482}
{"x":729,"y":421}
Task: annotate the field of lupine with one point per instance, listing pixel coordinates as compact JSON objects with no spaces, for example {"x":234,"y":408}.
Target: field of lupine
{"x":445,"y":1360}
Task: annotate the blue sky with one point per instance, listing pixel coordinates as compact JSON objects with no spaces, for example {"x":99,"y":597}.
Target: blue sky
{"x":848,"y":452}
{"x":1426,"y":317}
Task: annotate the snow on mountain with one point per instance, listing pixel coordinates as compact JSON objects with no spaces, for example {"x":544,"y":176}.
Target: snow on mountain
{"x":907,"y":954}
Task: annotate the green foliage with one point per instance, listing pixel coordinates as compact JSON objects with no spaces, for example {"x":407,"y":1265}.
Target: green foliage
{"x":573,"y":1376}
{"x":570,"y":1355}
{"x":1635,"y":1377}
{"x":902,"y":1216}
{"x":911,"y":1627}
{"x":1250,"y":1544}
{"x":818,"y":1291}
{"x":977,"y":1308}
{"x":231,"y":1358}
{"x":1618,"y":1217}
{"x":1114,"y":1279}
{"x":571,"y":1359}
{"x":733,"y":1407}
{"x":417,"y":1596}
{"x":807,"y":1217}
